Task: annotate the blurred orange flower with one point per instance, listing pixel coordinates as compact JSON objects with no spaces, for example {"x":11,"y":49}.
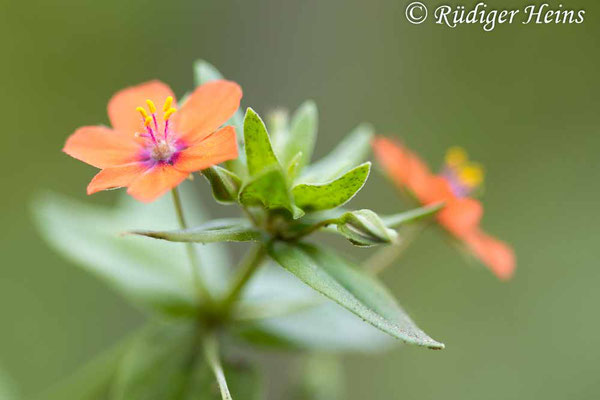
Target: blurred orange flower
{"x":461,"y":214}
{"x":151,"y":151}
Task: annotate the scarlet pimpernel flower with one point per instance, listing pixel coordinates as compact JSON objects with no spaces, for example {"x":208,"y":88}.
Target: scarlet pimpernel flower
{"x":151,"y":150}
{"x":458,"y":179}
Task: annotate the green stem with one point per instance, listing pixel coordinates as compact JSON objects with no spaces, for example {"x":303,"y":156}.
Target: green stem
{"x":201,"y":288}
{"x":249,"y":266}
{"x":387,"y":255}
{"x":211,"y":351}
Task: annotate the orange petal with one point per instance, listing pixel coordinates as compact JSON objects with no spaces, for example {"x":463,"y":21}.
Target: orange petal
{"x":207,"y":108}
{"x":101,"y":147}
{"x":437,"y":189}
{"x":121,"y":107}
{"x":461,"y":216}
{"x":116,"y":177}
{"x":495,"y":254}
{"x":155,"y":182}
{"x":392,"y":158}
{"x":403,"y":166}
{"x":214,"y":149}
{"x":420,"y":181}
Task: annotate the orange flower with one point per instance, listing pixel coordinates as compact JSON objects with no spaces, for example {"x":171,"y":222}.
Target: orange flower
{"x":461,"y":214}
{"x":152,"y":151}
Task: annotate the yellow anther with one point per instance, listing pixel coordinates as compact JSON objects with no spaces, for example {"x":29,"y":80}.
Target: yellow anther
{"x":142,"y":111}
{"x":456,"y":156}
{"x":168,"y":103}
{"x":151,"y":106}
{"x":148,"y":121}
{"x":169,"y":112}
{"x":471,"y":175}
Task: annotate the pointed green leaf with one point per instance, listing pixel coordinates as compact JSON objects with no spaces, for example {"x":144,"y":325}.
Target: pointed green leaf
{"x":314,"y":197}
{"x":351,"y":288}
{"x":415,"y":215}
{"x":90,"y":237}
{"x":270,"y":191}
{"x":278,"y":124}
{"x":152,"y":274}
{"x":259,"y":152}
{"x":218,"y":230}
{"x":301,"y":136}
{"x":293,"y":167}
{"x":205,"y":72}
{"x":224,"y":183}
{"x":314,"y":323}
{"x":349,"y":152}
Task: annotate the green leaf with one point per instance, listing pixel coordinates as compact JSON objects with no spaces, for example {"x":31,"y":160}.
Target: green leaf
{"x":311,"y":321}
{"x":415,"y":215}
{"x":351,"y":288}
{"x":278,"y":125}
{"x":293,"y":167}
{"x":270,"y":191}
{"x":259,"y":152}
{"x":166,"y":362}
{"x":224,"y":183}
{"x":205,"y":72}
{"x":365,"y":228}
{"x":152,"y":274}
{"x":314,"y":197}
{"x":349,"y":152}
{"x":301,"y":136}
{"x":218,"y":230}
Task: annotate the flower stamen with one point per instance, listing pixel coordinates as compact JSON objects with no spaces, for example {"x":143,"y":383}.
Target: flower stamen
{"x":162,"y":149}
{"x":168,"y":112}
{"x":463,"y":175}
{"x":168,"y":103}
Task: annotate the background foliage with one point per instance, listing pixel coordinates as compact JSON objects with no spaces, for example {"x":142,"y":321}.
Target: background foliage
{"x":522,"y":99}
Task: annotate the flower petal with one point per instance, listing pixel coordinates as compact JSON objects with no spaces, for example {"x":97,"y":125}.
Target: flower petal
{"x":392,"y":157}
{"x":495,"y":254}
{"x":101,"y":147}
{"x":436,"y":189}
{"x":214,"y":149}
{"x":420,"y":181}
{"x":155,"y":182}
{"x":121,"y":107}
{"x":461,"y":216}
{"x":404,"y":167}
{"x":207,"y":108}
{"x":116,"y":177}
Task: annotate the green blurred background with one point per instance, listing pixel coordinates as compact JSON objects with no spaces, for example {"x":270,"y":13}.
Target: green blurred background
{"x":522,"y":99}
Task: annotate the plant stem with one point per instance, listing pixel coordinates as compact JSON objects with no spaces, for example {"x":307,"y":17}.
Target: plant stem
{"x":201,"y":288}
{"x":385,"y":256}
{"x":211,"y":351}
{"x":249,"y":265}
